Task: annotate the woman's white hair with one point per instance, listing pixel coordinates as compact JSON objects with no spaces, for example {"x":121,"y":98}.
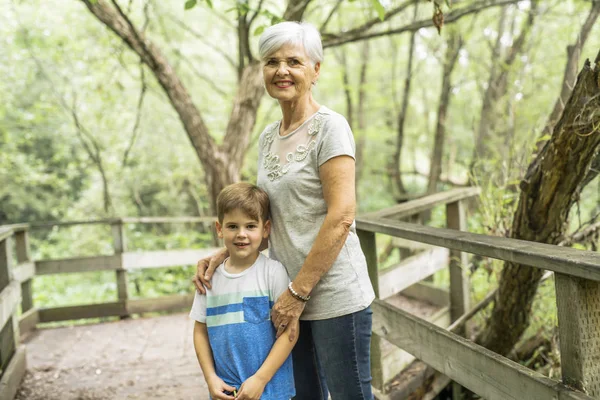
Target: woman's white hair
{"x":294,"y":33}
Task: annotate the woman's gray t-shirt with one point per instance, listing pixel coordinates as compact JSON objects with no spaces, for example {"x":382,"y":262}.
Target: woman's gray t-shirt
{"x":288,"y":170}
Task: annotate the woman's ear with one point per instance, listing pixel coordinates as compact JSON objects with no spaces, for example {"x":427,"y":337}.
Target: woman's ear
{"x":317,"y":71}
{"x":219,"y":229}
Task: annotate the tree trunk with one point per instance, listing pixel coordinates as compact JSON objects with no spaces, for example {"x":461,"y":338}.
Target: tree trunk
{"x":221,"y":164}
{"x":360,"y":132}
{"x":435,"y":167}
{"x":551,"y":186}
{"x":396,"y":167}
{"x":573,"y":55}
{"x":486,"y":143}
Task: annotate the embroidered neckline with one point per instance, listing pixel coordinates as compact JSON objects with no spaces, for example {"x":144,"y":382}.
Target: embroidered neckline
{"x":271,"y":160}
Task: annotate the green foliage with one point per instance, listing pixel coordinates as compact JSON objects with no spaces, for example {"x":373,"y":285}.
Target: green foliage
{"x":379,"y":8}
{"x":192,"y":3}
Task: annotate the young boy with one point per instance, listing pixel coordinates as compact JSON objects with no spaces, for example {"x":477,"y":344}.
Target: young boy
{"x":233,"y":336}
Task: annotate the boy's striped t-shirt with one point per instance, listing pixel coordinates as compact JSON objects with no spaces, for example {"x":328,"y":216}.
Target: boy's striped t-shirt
{"x":237,"y":313}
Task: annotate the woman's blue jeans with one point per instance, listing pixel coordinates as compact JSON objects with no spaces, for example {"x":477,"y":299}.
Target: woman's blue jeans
{"x":333,"y":355}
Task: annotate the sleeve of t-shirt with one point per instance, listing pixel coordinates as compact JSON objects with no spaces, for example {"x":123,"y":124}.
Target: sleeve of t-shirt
{"x":336,"y":139}
{"x":278,"y":279}
{"x":198,"y":312}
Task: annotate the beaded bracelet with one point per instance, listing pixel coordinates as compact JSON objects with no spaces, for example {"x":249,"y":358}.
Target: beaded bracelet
{"x":297,"y":295}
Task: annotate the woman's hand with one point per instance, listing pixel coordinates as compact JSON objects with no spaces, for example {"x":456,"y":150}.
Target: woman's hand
{"x":206,"y":268}
{"x":286,"y":312}
{"x":251,"y":389}
{"x":217,"y":388}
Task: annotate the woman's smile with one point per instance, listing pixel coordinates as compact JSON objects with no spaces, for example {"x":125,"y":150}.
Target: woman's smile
{"x":284,"y":84}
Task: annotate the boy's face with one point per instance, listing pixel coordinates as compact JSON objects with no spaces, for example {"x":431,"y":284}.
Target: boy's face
{"x":242,"y":235}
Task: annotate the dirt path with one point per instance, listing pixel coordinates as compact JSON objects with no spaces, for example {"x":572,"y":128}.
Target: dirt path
{"x":148,"y":358}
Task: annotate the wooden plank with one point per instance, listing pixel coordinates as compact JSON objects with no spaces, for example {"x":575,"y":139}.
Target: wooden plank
{"x":13,"y":375}
{"x":580,"y":263}
{"x":425,"y":203}
{"x":28,"y":321}
{"x":164,"y":304}
{"x":5,"y":262}
{"x":578,"y":304}
{"x":120,"y":245}
{"x":395,"y":279}
{"x":23,"y":272}
{"x":78,"y":264}
{"x":5,"y":232}
{"x":9,"y":300}
{"x":50,"y":224}
{"x":22,"y":245}
{"x":100,"y":310}
{"x":426,"y":291}
{"x":368,"y":245}
{"x":8,"y":346}
{"x":459,"y":277}
{"x":168,"y":220}
{"x":482,"y":371}
{"x":410,"y":244}
{"x":166,"y":258}
{"x":17,"y":227}
{"x":26,"y":295}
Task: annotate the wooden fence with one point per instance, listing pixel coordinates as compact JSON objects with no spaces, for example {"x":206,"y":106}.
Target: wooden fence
{"x":493,"y":377}
{"x":480,"y":370}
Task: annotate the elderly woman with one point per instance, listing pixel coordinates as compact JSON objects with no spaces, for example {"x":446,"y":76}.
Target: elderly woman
{"x":306,"y":165}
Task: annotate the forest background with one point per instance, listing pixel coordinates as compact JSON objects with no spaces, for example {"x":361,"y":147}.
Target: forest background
{"x":87,"y":130}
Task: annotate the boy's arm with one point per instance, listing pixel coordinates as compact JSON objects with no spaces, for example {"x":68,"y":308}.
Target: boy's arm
{"x":253,"y":387}
{"x":216,"y":386}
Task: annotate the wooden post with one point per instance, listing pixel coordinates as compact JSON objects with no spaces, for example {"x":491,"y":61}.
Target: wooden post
{"x":5,"y":263}
{"x":459,"y":279}
{"x":578,"y":304}
{"x":369,"y":248}
{"x":24,"y":256}
{"x":120,"y":245}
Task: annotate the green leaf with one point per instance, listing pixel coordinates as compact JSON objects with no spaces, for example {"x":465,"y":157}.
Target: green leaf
{"x":259,"y":30}
{"x":93,"y":1}
{"x":544,"y":138}
{"x":209,"y":2}
{"x":379,"y":8}
{"x":190,"y":4}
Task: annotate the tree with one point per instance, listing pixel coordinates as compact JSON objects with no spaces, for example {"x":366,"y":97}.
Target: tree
{"x":551,"y":186}
{"x":222,"y":163}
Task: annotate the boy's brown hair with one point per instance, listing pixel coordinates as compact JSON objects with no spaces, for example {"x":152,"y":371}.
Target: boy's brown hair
{"x":251,"y":199}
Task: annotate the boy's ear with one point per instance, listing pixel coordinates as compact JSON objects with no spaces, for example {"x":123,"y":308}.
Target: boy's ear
{"x":267,"y":229}
{"x":219,"y":229}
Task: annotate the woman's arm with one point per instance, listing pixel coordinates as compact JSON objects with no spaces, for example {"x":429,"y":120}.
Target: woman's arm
{"x":253,"y":387}
{"x":205,"y":269}
{"x":216,"y":386}
{"x":337,"y":179}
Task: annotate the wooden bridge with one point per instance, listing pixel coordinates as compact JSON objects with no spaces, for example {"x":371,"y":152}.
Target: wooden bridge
{"x":152,"y":358}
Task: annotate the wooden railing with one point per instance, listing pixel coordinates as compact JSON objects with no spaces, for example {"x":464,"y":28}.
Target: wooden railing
{"x":493,"y":377}
{"x":480,"y":370}
{"x":15,"y":288}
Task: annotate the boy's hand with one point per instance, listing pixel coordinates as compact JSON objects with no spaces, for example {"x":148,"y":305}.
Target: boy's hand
{"x":251,"y":389}
{"x":217,"y":389}
{"x":206,"y":268}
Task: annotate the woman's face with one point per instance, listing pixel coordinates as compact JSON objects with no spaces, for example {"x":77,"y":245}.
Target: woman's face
{"x":289,"y":74}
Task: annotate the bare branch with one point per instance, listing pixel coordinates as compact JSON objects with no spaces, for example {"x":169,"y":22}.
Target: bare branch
{"x":333,"y":10}
{"x":375,"y":21}
{"x":295,"y":10}
{"x":138,"y":117}
{"x":258,"y":8}
{"x":331,"y":40}
{"x":207,"y":42}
